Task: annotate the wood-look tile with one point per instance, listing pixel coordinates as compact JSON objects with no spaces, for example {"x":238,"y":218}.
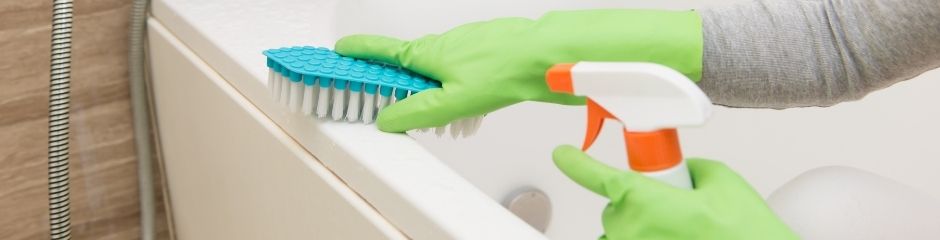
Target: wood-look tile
{"x":24,"y":87}
{"x":25,"y":67}
{"x":18,"y":14}
{"x":103,"y":163}
{"x":23,"y":180}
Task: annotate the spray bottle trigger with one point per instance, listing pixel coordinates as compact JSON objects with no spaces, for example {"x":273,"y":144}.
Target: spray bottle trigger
{"x":595,"y":122}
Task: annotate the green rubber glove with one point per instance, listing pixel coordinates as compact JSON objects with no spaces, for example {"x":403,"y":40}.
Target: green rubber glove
{"x":722,"y":206}
{"x":488,"y":65}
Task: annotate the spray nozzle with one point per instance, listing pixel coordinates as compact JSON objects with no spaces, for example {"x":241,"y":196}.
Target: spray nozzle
{"x":651,"y":99}
{"x":559,"y":80}
{"x":596,"y":115}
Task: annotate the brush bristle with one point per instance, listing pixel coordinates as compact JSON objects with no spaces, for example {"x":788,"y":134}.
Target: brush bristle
{"x":318,"y":83}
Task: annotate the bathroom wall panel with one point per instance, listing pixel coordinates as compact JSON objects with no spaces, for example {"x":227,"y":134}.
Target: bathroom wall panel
{"x":103,"y":164}
{"x":24,"y":34}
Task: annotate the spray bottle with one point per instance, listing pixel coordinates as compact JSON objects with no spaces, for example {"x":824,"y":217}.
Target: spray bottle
{"x":650,"y":100}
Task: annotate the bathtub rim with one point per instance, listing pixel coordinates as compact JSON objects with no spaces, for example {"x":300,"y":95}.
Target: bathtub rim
{"x":416,"y":191}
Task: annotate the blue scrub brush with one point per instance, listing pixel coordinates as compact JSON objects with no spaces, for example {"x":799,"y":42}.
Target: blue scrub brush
{"x":318,"y":82}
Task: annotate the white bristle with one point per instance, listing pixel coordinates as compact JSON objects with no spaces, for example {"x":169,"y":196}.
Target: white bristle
{"x":339,"y":103}
{"x":351,"y":105}
{"x":465,"y":126}
{"x":439,"y":131}
{"x":383,"y":102}
{"x":271,"y":81}
{"x":285,"y":90}
{"x":273,"y":86}
{"x":368,"y":107}
{"x":456,"y":127}
{"x":468,"y":127}
{"x":276,"y":87}
{"x":296,"y":96}
{"x":323,"y":101}
{"x":477,"y":122}
{"x":392,"y":99}
{"x":353,"y":108}
{"x":310,"y":96}
{"x":278,"y":82}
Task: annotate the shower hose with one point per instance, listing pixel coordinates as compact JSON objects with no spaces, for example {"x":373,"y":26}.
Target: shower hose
{"x":60,"y":78}
{"x":60,"y":71}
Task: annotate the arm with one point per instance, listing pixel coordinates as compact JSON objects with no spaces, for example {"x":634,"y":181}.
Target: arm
{"x":796,"y":53}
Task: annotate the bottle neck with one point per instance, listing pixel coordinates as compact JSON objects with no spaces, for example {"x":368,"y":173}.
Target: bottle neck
{"x":653,"y":151}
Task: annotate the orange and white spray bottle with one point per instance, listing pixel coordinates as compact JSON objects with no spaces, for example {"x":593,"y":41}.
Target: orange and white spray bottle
{"x":650,"y":100}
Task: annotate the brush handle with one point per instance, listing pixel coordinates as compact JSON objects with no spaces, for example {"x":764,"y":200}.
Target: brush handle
{"x":306,"y":62}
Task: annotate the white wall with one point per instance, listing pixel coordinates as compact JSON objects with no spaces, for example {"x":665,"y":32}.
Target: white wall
{"x":414,"y":18}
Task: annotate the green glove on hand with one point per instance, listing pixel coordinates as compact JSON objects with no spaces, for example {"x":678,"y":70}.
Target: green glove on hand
{"x":722,"y":206}
{"x":486,"y":66}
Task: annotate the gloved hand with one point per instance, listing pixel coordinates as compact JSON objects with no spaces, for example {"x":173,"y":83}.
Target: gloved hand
{"x":722,"y":206}
{"x":488,"y":65}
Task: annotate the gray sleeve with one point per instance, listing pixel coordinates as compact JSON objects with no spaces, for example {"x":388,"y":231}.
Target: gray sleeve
{"x":797,"y":53}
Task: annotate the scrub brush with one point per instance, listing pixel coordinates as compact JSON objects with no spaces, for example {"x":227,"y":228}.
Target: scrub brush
{"x":320,"y":83}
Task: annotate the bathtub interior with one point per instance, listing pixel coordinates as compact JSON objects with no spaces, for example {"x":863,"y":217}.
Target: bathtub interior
{"x":512,"y":150}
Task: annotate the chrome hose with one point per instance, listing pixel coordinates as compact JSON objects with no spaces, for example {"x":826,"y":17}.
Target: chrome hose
{"x":59,"y":85}
{"x":141,"y":113}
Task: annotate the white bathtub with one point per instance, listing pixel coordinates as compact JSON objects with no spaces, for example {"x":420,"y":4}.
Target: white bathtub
{"x":240,"y":166}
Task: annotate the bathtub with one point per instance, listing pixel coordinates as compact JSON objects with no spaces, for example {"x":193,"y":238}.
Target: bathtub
{"x":240,"y":166}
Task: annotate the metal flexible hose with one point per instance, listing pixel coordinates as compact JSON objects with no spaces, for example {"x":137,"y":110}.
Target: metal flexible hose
{"x":141,"y":112}
{"x":60,"y":73}
{"x":59,"y":96}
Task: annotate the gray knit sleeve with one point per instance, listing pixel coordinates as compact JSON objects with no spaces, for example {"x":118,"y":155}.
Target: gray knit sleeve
{"x":796,"y":53}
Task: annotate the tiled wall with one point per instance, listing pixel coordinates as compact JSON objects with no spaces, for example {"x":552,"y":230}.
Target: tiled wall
{"x":103,"y":167}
